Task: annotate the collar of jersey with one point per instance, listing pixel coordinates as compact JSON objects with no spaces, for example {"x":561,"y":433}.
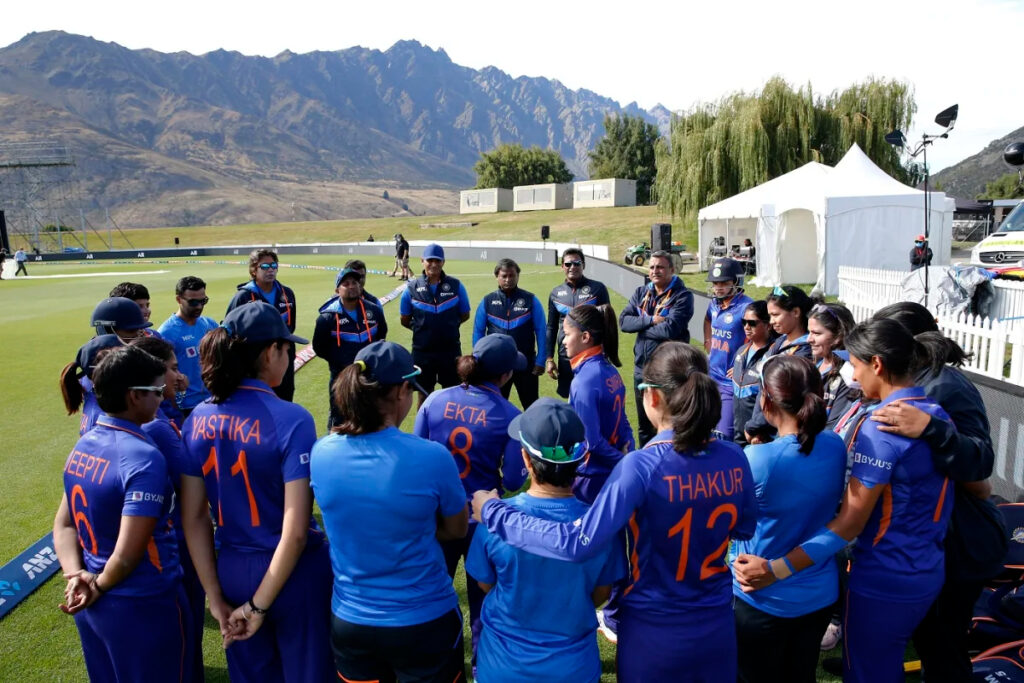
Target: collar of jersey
{"x":585,"y":355}
{"x":665,"y":436}
{"x":121,"y":425}
{"x":907,"y":393}
{"x":253,"y":384}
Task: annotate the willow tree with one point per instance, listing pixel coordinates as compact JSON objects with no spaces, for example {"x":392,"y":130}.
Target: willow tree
{"x":717,"y":150}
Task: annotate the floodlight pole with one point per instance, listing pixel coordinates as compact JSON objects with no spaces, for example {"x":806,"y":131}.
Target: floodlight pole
{"x":927,"y":217}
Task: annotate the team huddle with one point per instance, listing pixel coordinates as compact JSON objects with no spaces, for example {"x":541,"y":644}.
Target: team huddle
{"x":789,"y":486}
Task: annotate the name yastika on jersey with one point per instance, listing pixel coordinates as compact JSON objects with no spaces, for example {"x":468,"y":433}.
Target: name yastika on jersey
{"x":241,"y":429}
{"x":704,"y":484}
{"x":85,"y":466}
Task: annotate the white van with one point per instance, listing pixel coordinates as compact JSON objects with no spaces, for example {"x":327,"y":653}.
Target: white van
{"x":1004,"y":247}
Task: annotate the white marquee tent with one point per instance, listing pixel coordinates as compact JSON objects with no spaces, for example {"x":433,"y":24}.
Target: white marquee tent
{"x":808,"y":222}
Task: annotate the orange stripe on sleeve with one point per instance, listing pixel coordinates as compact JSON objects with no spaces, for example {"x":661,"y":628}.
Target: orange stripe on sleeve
{"x":883,"y":526}
{"x":154,"y":555}
{"x":942,"y":499}
{"x":634,"y":559}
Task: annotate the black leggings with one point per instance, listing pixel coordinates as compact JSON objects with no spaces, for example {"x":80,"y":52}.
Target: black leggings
{"x":779,"y":649}
{"x":422,"y":653}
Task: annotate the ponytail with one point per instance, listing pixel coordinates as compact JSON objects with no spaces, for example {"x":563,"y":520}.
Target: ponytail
{"x":602,"y":325}
{"x":793,"y":385}
{"x":899,"y":351}
{"x":359,"y":401}
{"x":70,"y":388}
{"x":938,"y":350}
{"x":681,"y":372}
{"x":225,"y":360}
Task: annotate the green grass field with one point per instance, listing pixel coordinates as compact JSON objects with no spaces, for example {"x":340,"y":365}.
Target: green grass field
{"x":46,"y":319}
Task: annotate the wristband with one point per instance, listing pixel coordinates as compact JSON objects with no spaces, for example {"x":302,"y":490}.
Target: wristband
{"x":823,"y":545}
{"x":254,"y":609}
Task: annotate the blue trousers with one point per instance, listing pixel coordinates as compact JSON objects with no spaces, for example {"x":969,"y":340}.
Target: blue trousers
{"x":695,"y":646}
{"x":144,"y":638}
{"x":875,"y":637}
{"x":293,"y":645}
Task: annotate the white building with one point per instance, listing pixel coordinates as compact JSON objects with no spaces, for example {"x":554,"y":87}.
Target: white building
{"x":540,"y":197}
{"x":605,"y":192}
{"x":489,"y":200}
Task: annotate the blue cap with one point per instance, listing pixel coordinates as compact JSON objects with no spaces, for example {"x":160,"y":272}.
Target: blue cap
{"x":497,"y":354}
{"x":343,"y":273}
{"x":86,"y":358}
{"x":119,"y":313}
{"x":433,"y":251}
{"x":258,"y":321}
{"x":550,"y":430}
{"x":388,"y":363}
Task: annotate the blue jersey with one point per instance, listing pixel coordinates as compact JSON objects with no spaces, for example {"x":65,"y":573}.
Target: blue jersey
{"x":91,"y":410}
{"x":436,"y":312}
{"x":114,"y":471}
{"x":519,"y":315}
{"x":726,"y":335}
{"x":681,"y":510}
{"x":167,"y":437}
{"x":899,"y":556}
{"x":380,"y":495}
{"x":472,"y":423}
{"x":186,"y":340}
{"x":797,"y":494}
{"x":598,"y":396}
{"x":526,"y":634}
{"x":246,"y":449}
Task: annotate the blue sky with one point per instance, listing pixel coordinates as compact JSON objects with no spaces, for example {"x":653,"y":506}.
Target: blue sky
{"x":675,"y":53}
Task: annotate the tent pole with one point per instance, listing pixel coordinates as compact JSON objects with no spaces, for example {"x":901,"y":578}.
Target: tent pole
{"x":927,"y":224}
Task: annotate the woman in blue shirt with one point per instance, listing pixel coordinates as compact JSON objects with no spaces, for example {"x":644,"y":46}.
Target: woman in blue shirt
{"x":76,"y":380}
{"x":683,"y":497}
{"x":387,"y":498}
{"x":471,"y":420}
{"x":113,"y":536}
{"x":248,"y":463}
{"x":798,"y":480}
{"x":896,"y":506}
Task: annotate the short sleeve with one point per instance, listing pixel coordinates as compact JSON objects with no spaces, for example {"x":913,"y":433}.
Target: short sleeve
{"x":874,"y":457}
{"x":297,"y":443}
{"x":421,"y":427}
{"x":463,"y":299}
{"x":478,"y":564}
{"x":762,"y":459}
{"x":452,"y":494}
{"x":145,"y":482}
{"x":191,"y":462}
{"x":167,"y":440}
{"x":405,"y":303}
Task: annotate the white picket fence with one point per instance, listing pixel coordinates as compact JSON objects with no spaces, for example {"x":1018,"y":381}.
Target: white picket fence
{"x":997,"y":342}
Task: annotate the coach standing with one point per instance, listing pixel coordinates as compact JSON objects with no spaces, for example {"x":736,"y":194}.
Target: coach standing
{"x":659,"y":311}
{"x":576,"y":290}
{"x":263,"y":286}
{"x":185,"y":329}
{"x":433,"y":306}
{"x":519,"y":314}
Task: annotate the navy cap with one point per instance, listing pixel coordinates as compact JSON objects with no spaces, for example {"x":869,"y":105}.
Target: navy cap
{"x":389,"y":363}
{"x":258,"y":321}
{"x":119,"y":313}
{"x":433,"y":251}
{"x":343,"y":273}
{"x":724,"y":270}
{"x":497,"y":354}
{"x":550,"y":430}
{"x":86,"y":358}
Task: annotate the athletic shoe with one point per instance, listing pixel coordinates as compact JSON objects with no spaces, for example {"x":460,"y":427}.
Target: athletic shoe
{"x":606,"y":630}
{"x":833,"y":634}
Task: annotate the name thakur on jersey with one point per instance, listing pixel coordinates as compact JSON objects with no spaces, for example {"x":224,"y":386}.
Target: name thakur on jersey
{"x":704,"y":484}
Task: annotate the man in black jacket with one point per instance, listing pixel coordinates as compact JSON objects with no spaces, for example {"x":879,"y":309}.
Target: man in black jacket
{"x":920,"y":255}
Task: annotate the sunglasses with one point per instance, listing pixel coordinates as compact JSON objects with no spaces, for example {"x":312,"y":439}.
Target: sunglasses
{"x":750,"y":323}
{"x":647,"y":385}
{"x":157,"y":391}
{"x":572,"y":264}
{"x":198,"y":302}
{"x":555,"y":453}
{"x":821,"y":308}
{"x":269,"y":266}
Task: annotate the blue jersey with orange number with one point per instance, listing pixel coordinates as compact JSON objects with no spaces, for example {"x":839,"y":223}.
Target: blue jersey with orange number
{"x":899,"y":555}
{"x":472,"y":423}
{"x":114,"y":471}
{"x":598,"y":396}
{"x":681,"y":509}
{"x":726,"y":336}
{"x":246,"y":449}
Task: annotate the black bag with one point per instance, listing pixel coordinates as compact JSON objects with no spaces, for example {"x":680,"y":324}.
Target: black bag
{"x":978,"y":539}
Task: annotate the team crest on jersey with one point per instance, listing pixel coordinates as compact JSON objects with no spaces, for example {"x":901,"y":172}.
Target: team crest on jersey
{"x":586,"y":289}
{"x":446,"y":287}
{"x":520,"y":302}
{"x":1018,"y":535}
{"x":728,"y":318}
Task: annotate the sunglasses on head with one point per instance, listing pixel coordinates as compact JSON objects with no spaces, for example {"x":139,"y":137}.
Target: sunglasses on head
{"x":779,"y":292}
{"x":269,"y":266}
{"x":157,"y":391}
{"x":821,"y":308}
{"x":198,"y":302}
{"x":556,"y":453}
{"x":572,"y":264}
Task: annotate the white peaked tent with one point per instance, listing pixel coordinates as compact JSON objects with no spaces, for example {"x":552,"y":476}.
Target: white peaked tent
{"x":814,"y":219}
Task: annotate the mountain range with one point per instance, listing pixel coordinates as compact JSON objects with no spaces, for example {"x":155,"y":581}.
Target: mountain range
{"x":223,"y":138}
{"x":967,"y":179}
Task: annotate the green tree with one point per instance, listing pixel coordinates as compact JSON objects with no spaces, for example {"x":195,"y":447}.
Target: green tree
{"x":717,"y":150}
{"x":510,"y":165}
{"x":627,"y":151}
{"x":1004,"y":187}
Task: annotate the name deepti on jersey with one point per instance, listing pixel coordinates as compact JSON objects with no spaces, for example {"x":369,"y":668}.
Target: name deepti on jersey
{"x":240,"y":429}
{"x":468,"y":414}
{"x":86,"y":466}
{"x":704,"y":484}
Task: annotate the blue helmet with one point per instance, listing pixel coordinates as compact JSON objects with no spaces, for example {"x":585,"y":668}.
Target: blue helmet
{"x":118,"y":313}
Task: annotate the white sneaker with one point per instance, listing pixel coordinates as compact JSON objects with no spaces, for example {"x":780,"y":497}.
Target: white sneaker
{"x":606,"y":630}
{"x":833,"y":634}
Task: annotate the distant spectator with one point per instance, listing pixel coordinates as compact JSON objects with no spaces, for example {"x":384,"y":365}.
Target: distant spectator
{"x":401,"y":258}
{"x":920,"y":255}
{"x":370,"y":239}
{"x":20,"y":257}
